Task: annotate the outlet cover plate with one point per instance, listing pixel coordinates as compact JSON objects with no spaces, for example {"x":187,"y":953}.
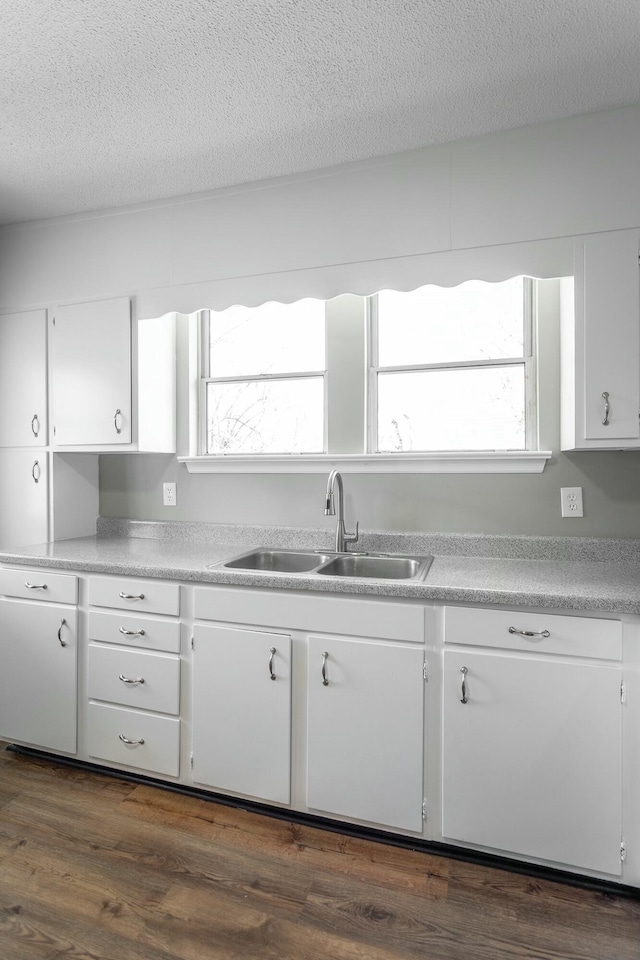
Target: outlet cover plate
{"x":169,"y":495}
{"x":571,"y":500}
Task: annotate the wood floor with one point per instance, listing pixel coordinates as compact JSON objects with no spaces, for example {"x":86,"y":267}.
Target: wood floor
{"x":93,"y":868}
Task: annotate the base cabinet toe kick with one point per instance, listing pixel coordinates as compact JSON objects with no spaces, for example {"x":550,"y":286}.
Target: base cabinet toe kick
{"x":506,"y":732}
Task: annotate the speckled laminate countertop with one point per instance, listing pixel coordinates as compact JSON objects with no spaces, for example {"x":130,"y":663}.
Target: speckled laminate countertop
{"x":556,"y":573}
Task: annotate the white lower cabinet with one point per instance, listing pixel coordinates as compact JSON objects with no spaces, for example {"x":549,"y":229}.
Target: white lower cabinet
{"x":38,"y":678}
{"x":133,"y":675}
{"x":242,"y":711}
{"x":532,"y":750}
{"x":365,"y":734}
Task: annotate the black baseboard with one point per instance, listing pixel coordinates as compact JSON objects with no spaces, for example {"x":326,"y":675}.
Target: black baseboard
{"x":607,"y":887}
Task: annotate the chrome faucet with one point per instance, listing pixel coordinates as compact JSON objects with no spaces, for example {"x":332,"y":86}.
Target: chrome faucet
{"x":342,"y":537}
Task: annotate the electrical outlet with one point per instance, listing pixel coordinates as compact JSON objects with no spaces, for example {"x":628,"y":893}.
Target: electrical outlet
{"x":571,"y":498}
{"x":169,"y":494}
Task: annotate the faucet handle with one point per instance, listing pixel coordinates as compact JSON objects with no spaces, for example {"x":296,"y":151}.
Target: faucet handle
{"x":352,"y":537}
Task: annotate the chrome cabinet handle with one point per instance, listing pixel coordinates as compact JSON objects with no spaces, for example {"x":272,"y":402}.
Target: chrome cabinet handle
{"x":35,"y":424}
{"x":464,"y":698}
{"x":607,"y":409}
{"x":35,"y":586}
{"x":124,"y":739}
{"x":530,"y":633}
{"x":325,"y":657}
{"x":131,"y":596}
{"x":63,"y":623}
{"x":130,"y":679}
{"x":36,"y":466}
{"x":272,"y":651}
{"x":117,"y":414}
{"x":130,"y":633}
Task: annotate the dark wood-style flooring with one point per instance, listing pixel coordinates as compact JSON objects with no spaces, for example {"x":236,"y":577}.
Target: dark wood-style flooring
{"x":92,"y":867}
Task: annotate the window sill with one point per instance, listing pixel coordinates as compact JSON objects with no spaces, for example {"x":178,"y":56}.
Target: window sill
{"x":517,"y":461}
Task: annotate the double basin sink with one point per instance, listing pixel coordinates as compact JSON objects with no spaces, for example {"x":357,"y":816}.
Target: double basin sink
{"x":375,"y":566}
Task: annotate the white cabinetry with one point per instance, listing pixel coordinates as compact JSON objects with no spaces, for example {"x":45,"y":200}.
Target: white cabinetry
{"x":133,"y":675}
{"x":365,"y":730}
{"x":24,"y":500}
{"x":532,"y":740}
{"x":242,"y":711}
{"x":112,"y":386}
{"x":601,"y":345}
{"x":363,"y":753}
{"x":38,"y":652}
{"x":23,"y":379}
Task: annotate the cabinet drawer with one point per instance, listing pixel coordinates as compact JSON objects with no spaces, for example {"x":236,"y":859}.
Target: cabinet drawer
{"x":159,"y":750}
{"x":158,"y":689}
{"x":143,"y":596}
{"x":380,"y":619}
{"x":39,"y":585}
{"x":570,"y":636}
{"x":145,"y":632}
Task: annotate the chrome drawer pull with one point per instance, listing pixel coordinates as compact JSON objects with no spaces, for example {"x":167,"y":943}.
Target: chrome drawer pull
{"x":272,"y":651}
{"x":530,"y":633}
{"x":124,"y":739}
{"x":129,"y":680}
{"x":63,"y":623}
{"x":131,"y":596}
{"x":325,"y":657}
{"x":130,"y":633}
{"x":35,"y":425}
{"x":117,"y":414}
{"x":36,"y":476}
{"x":35,"y":586}
{"x":464,"y":698}
{"x":607,"y":409}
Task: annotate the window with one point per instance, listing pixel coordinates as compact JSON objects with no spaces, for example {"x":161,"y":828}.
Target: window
{"x":264,"y":379}
{"x":451,"y":368}
{"x":393,"y":377}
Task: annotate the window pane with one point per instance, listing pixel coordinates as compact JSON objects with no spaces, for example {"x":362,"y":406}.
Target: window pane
{"x":472,"y":408}
{"x":474,"y":321}
{"x":266,"y":416}
{"x":271,"y":338}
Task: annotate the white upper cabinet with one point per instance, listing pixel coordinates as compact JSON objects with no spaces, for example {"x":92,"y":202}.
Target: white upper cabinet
{"x":23,"y":379}
{"x":601,"y":345}
{"x":113,"y":384}
{"x":91,"y":373}
{"x":23,"y":497}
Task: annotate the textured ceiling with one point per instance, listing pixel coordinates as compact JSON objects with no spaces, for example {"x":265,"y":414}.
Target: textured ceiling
{"x":110,"y":102}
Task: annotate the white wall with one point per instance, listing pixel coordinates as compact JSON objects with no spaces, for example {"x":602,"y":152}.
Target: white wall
{"x":551,"y":180}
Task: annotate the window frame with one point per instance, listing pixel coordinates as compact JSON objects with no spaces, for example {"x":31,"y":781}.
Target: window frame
{"x":530,"y":460}
{"x":528,"y":361}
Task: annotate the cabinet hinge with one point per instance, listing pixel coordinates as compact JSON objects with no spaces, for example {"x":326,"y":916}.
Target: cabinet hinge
{"x":623,"y":693}
{"x":623,"y":851}
{"x":424,"y":809}
{"x":191,"y":760}
{"x":53,"y":321}
{"x":192,"y":644}
{"x":425,"y":670}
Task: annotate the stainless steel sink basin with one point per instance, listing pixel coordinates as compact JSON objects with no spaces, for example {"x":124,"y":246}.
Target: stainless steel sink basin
{"x":369,"y":566}
{"x":376,"y":567}
{"x":278,"y":561}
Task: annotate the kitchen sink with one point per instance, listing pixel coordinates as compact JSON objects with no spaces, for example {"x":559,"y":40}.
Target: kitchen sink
{"x":377,"y":567}
{"x":277,"y":561}
{"x":370,"y":566}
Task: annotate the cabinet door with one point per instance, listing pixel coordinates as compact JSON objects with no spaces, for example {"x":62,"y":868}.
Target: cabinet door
{"x":91,"y":373}
{"x":608,"y":296}
{"x":38,"y":694}
{"x":23,"y":497}
{"x":532,"y":760}
{"x":241,"y":715}
{"x":365,"y":731}
{"x":23,"y":379}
